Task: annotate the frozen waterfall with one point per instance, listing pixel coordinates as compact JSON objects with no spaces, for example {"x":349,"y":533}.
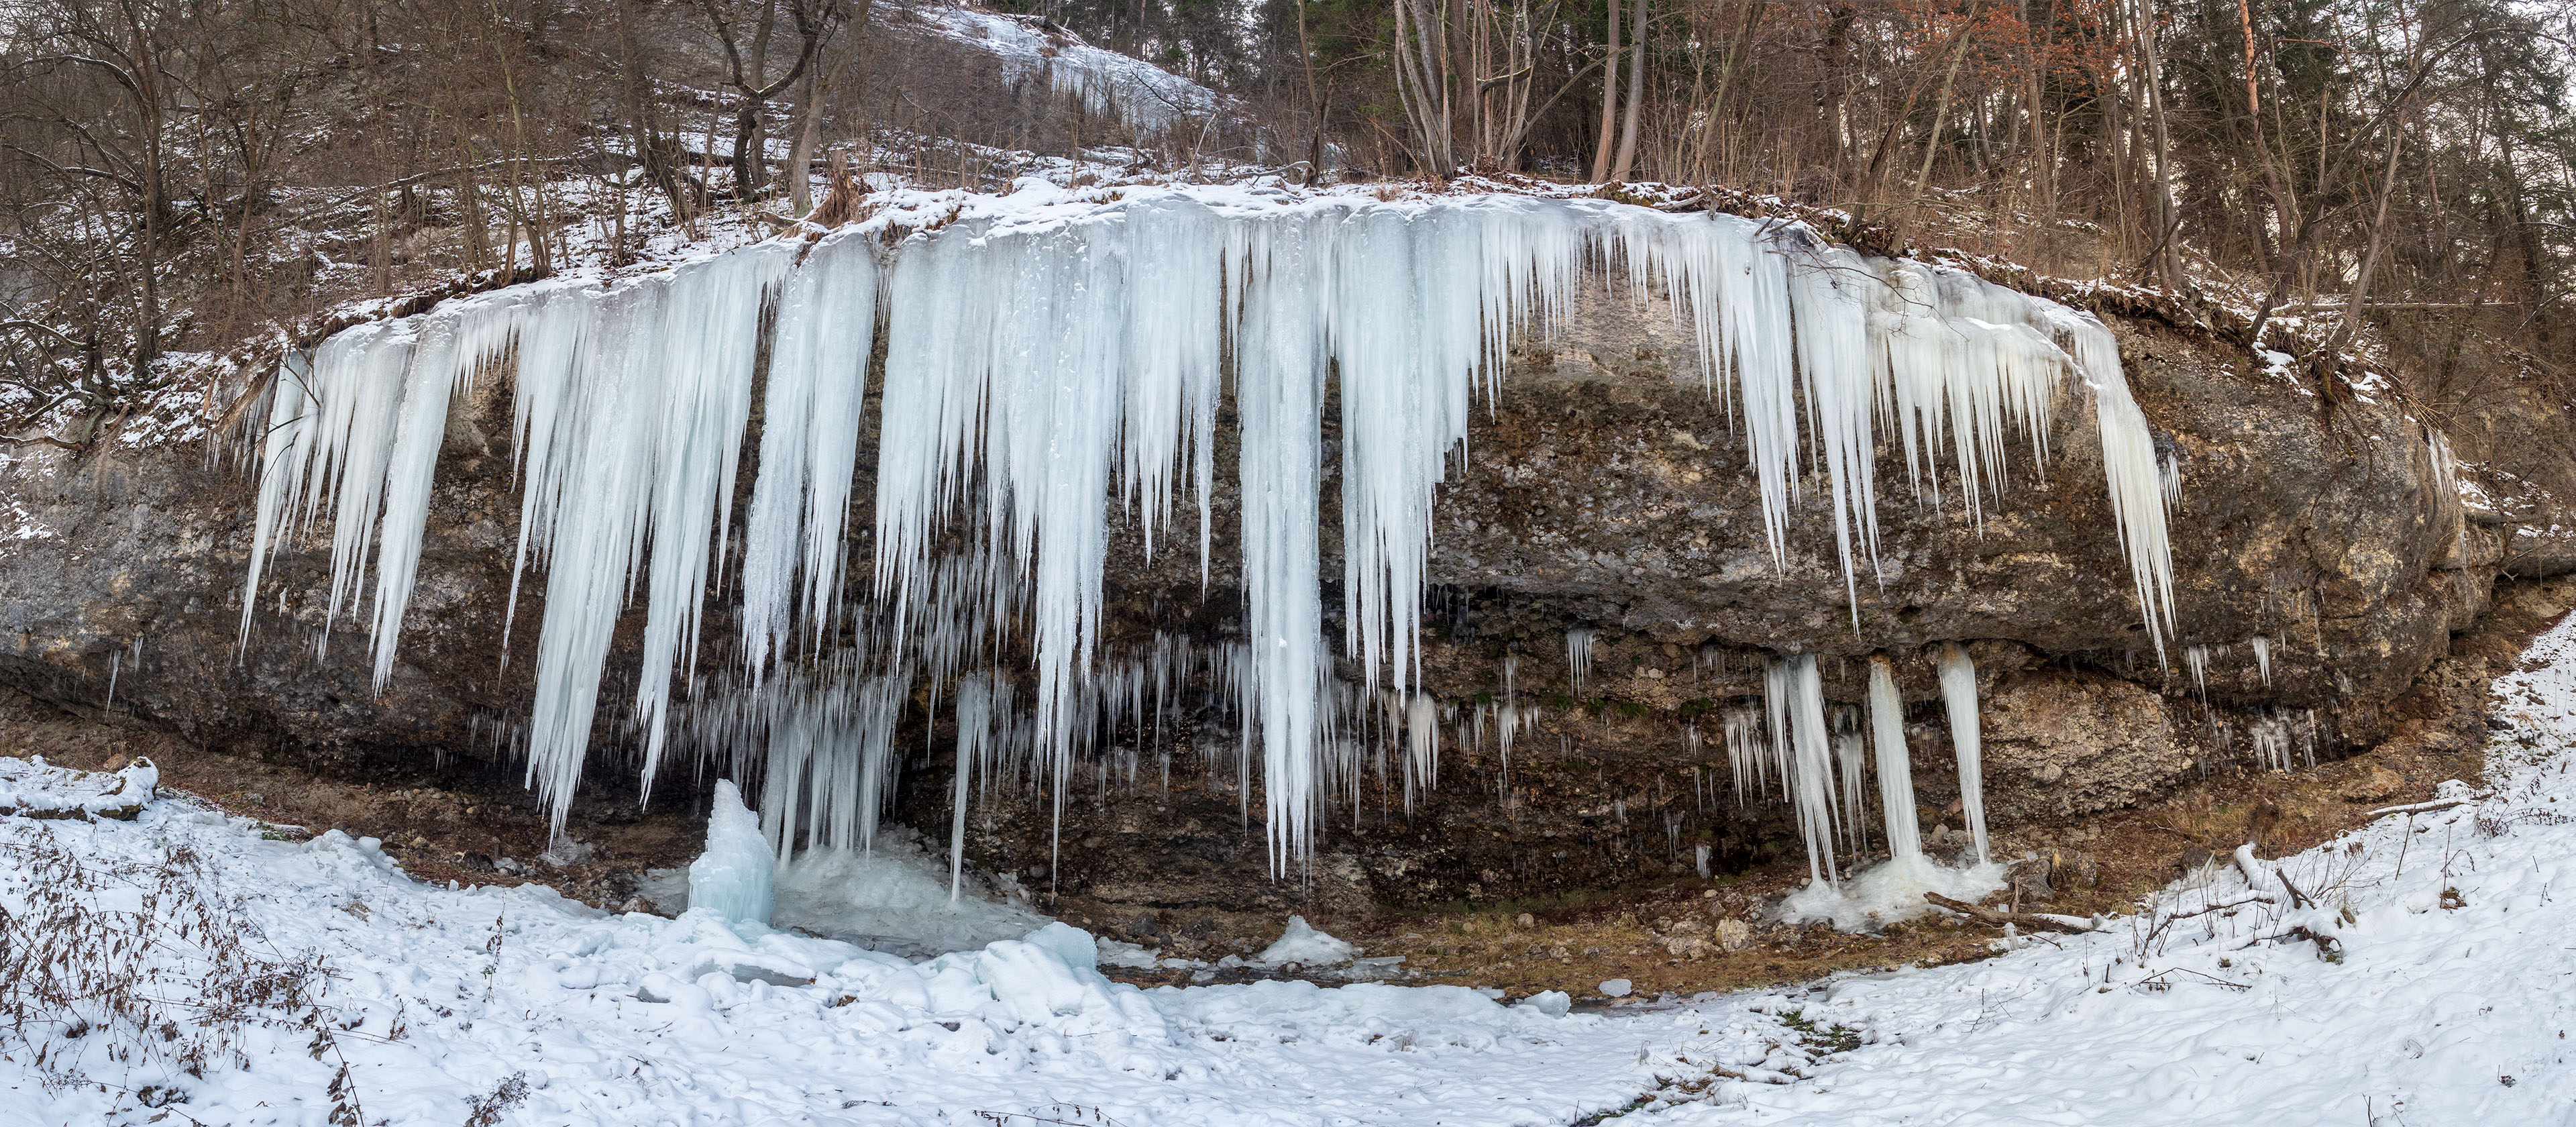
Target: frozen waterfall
{"x":1047,"y":362}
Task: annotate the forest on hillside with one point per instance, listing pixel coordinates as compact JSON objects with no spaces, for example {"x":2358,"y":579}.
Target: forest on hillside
{"x":185,"y":176}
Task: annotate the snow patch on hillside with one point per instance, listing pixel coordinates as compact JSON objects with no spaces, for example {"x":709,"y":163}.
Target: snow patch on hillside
{"x":1149,"y":99}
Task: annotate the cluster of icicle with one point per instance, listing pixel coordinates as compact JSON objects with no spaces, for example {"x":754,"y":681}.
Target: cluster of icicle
{"x":1821,"y":758}
{"x":820,"y":738}
{"x":1040,"y":373}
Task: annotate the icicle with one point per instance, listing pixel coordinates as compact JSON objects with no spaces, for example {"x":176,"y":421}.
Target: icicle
{"x":2263,"y":658}
{"x":1279,"y":393}
{"x":452,"y":344}
{"x":2139,"y":495}
{"x":1849,"y":755}
{"x":974,"y":730}
{"x":2197,"y":657}
{"x":1421,"y":747}
{"x":1895,"y":768}
{"x":1747,"y":751}
{"x":2271,"y":738}
{"x":1959,"y":695}
{"x":1410,"y":342}
{"x":1578,"y":656}
{"x":2446,"y":466}
{"x":284,"y":452}
{"x":1795,"y":695}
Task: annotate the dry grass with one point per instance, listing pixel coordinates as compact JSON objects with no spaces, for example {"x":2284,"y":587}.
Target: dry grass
{"x":128,"y":976}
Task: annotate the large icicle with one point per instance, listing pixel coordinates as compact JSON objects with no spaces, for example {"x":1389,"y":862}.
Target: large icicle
{"x":974,"y":731}
{"x":356,"y":426}
{"x":1959,"y":695}
{"x":1794,"y":691}
{"x":809,"y":440}
{"x":1410,"y":339}
{"x":2129,"y":464}
{"x":1895,"y":768}
{"x":632,"y":403}
{"x":1280,"y":358}
{"x":284,"y":450}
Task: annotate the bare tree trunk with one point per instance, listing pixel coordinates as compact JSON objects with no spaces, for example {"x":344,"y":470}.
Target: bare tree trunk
{"x":798,"y":173}
{"x":1314,"y":98}
{"x":1636,"y":92}
{"x":819,"y":83}
{"x":2356,"y":302}
{"x":148,"y":102}
{"x":2168,"y":263}
{"x":1725,"y":77}
{"x":1940,"y":117}
{"x":1423,"y":83}
{"x":1609,"y":100}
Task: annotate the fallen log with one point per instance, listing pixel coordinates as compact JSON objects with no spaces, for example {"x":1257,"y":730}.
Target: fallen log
{"x":2420,"y":807}
{"x":2037,"y":921}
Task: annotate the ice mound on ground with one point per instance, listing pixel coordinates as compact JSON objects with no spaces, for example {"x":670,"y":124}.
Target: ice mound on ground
{"x":1045,"y":979}
{"x":1888,"y":892}
{"x":732,"y":878}
{"x":892,"y":898}
{"x":1119,"y":953}
{"x":1553,"y":1003}
{"x":1301,"y":943}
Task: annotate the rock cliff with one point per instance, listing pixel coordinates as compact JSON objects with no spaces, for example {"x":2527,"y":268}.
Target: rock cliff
{"x":1604,"y":489}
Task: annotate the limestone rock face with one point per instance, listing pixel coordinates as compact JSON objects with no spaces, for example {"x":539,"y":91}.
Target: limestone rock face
{"x":2061,"y":744}
{"x":1606,"y":487}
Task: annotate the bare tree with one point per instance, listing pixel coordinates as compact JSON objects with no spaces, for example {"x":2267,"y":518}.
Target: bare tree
{"x":746,"y":66}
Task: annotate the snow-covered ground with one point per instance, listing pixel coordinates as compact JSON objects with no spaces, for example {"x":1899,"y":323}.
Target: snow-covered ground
{"x":2426,"y":982}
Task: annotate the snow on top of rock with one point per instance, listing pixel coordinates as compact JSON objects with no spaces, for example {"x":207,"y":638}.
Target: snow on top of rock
{"x":34,"y":788}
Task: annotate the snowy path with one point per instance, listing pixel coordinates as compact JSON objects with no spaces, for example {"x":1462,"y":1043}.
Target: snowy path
{"x":2445,"y":1009}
